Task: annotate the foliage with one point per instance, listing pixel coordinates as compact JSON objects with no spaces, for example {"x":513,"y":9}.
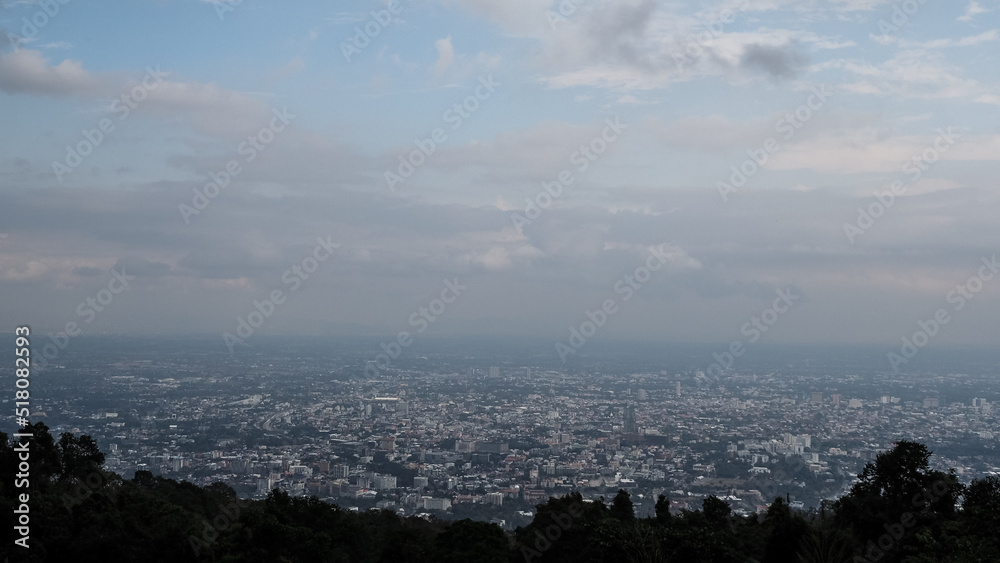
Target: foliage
{"x":899,"y":511}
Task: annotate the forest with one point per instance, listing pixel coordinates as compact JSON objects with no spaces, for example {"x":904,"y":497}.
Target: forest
{"x":899,"y":510}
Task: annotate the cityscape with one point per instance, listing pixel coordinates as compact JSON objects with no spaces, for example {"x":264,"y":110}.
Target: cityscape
{"x":500,"y":281}
{"x":459,"y":436}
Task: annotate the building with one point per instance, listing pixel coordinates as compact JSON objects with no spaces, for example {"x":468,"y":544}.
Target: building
{"x":494,"y":371}
{"x":836,"y":399}
{"x":300,"y":470}
{"x":630,"y":425}
{"x":431,"y":503}
{"x":263,"y":485}
{"x":384,"y":482}
{"x":492,"y":447}
{"x":816,"y":398}
{"x":420,"y":482}
{"x":535,"y":496}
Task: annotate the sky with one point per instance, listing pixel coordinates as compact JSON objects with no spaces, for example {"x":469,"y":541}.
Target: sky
{"x":629,"y":169}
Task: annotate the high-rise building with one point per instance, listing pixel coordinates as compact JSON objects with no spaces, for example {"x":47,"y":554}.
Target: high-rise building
{"x":678,"y":388}
{"x":494,"y":371}
{"x":816,"y":398}
{"x":263,"y":485}
{"x":385,"y":482}
{"x":630,"y":426}
{"x":431,"y":503}
{"x":642,"y":394}
{"x":836,"y":399}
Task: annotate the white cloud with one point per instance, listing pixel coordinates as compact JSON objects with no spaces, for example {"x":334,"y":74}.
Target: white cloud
{"x":972,"y":11}
{"x":206,"y":108}
{"x":911,"y":74}
{"x":446,"y":55}
{"x":26,"y":71}
{"x":985,"y":37}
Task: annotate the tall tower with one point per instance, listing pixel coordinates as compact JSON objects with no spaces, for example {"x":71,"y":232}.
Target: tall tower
{"x":630,"y":426}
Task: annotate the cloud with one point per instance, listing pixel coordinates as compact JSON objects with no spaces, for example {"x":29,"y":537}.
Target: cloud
{"x":985,"y":37}
{"x":142,"y":268}
{"x":712,"y":132}
{"x":87,"y":271}
{"x":206,"y":108}
{"x":911,"y":74}
{"x":291,"y":68}
{"x":779,"y":62}
{"x":972,"y":11}
{"x":446,"y":55}
{"x":26,"y":71}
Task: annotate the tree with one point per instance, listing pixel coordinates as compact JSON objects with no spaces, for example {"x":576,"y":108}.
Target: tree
{"x":787,"y":531}
{"x":467,"y":540}
{"x":716,"y":511}
{"x":80,"y":456}
{"x":621,"y":507}
{"x":898,"y":484}
{"x":662,"y":509}
{"x":982,"y":498}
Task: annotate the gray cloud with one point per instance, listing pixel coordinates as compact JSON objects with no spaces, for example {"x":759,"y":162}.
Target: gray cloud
{"x":785,"y":61}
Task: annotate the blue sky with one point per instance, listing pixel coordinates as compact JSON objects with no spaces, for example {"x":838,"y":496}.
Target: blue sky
{"x":697,"y":85}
